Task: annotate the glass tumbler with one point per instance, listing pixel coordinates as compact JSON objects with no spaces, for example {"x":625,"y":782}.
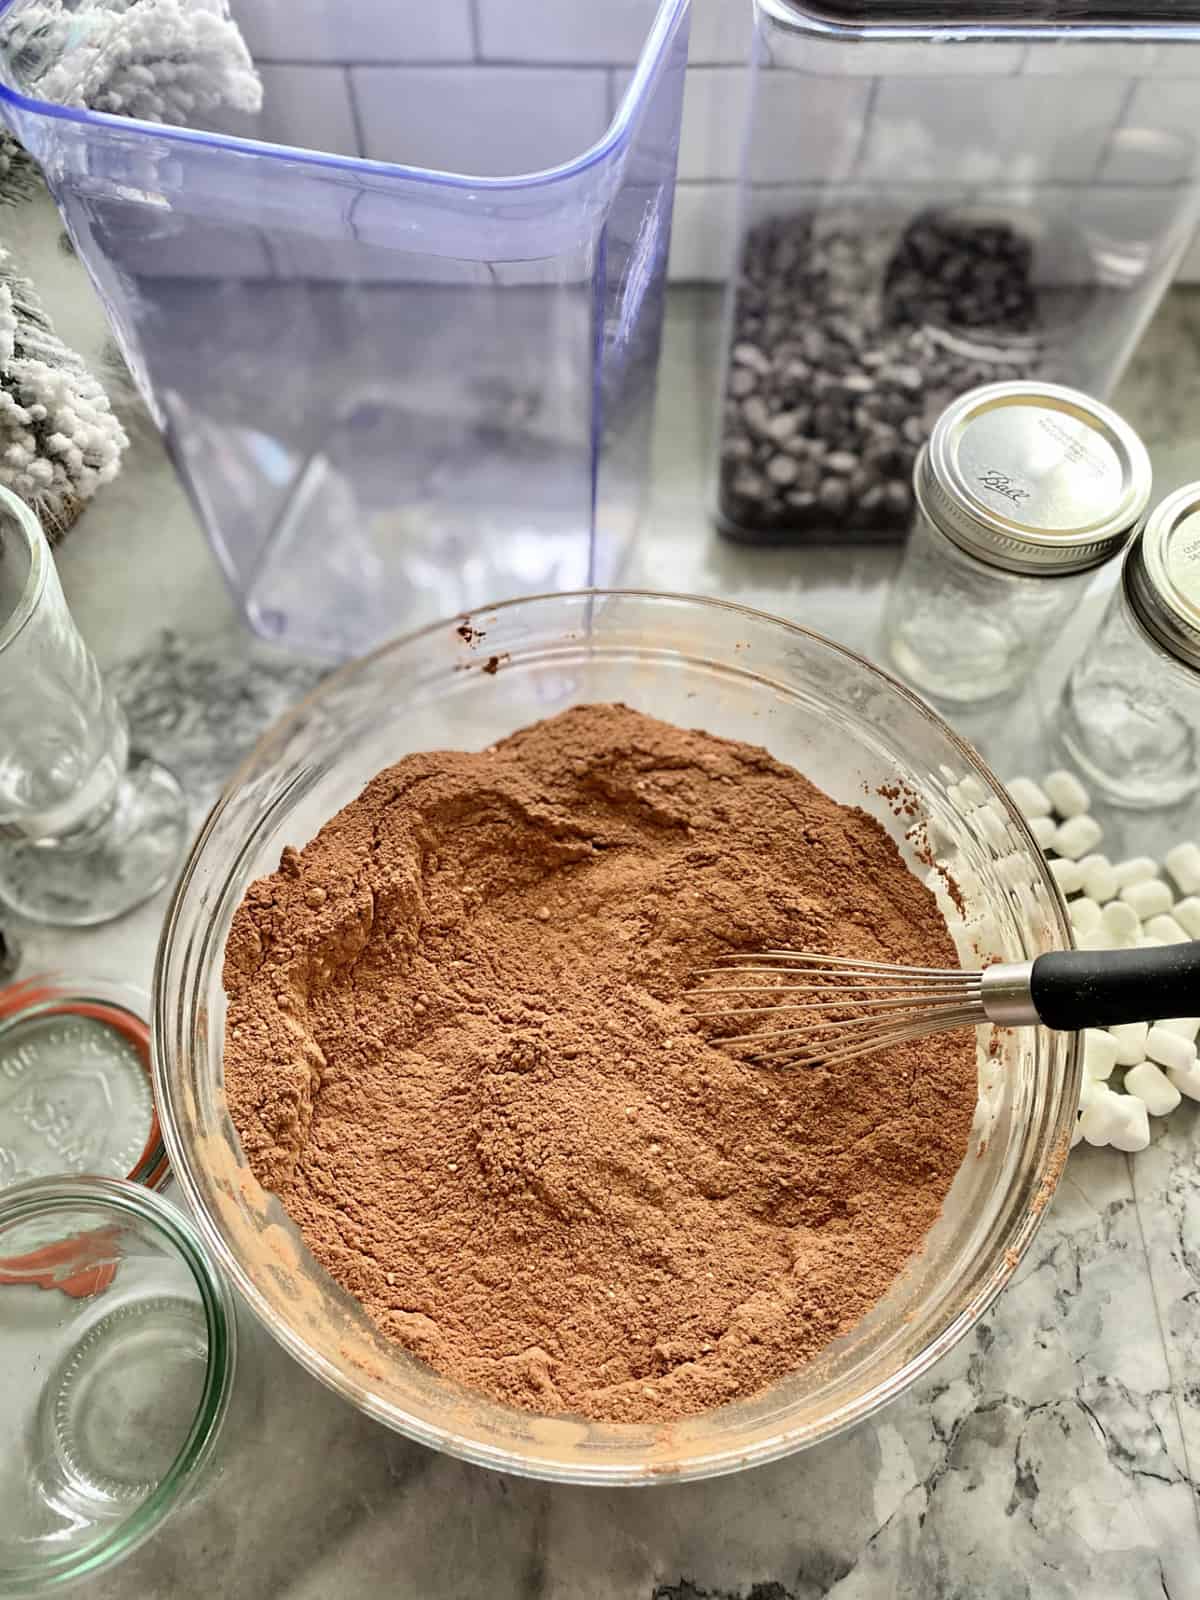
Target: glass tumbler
{"x":87,"y":830}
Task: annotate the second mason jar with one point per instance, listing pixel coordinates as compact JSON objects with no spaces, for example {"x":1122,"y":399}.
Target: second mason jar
{"x":1129,"y":717}
{"x":1023,"y":489}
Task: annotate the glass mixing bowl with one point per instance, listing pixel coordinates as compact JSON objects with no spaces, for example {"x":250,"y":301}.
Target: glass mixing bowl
{"x":704,"y":664}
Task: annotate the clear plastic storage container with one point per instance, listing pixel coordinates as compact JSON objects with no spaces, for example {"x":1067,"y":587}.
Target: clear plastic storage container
{"x":934,"y":197}
{"x":400,"y":326}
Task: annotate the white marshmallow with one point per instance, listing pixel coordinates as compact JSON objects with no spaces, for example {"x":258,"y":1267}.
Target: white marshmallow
{"x":1098,"y":1122}
{"x":1099,"y":880}
{"x":1089,"y":1090}
{"x":1153,"y":1088}
{"x":994,"y":825}
{"x":1145,"y":942}
{"x":1067,"y":874}
{"x":1148,"y":898}
{"x":1187,"y":1082}
{"x":1099,"y":1053}
{"x":1187,"y":915}
{"x":1169,"y":1050}
{"x":1166,"y":929}
{"x":1131,"y":1042}
{"x":1137,"y":869}
{"x":1030,"y":799}
{"x":1121,"y":921}
{"x":1185,"y":1027}
{"x":1183,"y":863}
{"x":1077,"y":836}
{"x":1132,"y":1126}
{"x":1084,"y":914}
{"x":1067,"y":795}
{"x":1097,"y":938}
{"x":1043,"y":829}
{"x":973,"y":790}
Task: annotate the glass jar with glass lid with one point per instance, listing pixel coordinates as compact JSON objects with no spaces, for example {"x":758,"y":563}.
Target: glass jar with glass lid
{"x":1129,"y":716}
{"x":1022,"y":491}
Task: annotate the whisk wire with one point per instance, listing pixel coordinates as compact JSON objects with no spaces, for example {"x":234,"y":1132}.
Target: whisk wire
{"x":891,"y":1004}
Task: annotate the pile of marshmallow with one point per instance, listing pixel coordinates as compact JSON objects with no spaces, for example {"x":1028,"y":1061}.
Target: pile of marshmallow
{"x":1115,"y":905}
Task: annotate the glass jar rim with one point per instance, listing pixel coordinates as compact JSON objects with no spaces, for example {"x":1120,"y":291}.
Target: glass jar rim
{"x":45,"y":1196}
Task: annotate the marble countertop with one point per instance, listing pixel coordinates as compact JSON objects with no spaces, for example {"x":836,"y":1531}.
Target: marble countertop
{"x":1055,"y":1452}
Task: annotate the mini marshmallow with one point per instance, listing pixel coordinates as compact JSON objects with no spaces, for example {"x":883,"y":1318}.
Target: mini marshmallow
{"x":1090,"y":1089}
{"x":1131,"y":1130}
{"x":1131,"y":1042}
{"x":1099,"y":880}
{"x":1166,"y":929}
{"x":1030,"y":799}
{"x":993,"y":825}
{"x":1187,"y":1082}
{"x":1097,"y":938}
{"x":1137,"y":869}
{"x":1185,"y":1027}
{"x":1148,"y":898}
{"x":1120,"y":921}
{"x":973,"y":790}
{"x":1183,"y":863}
{"x":1187,"y":915}
{"x":1099,"y":1053}
{"x":1169,"y":1050}
{"x":1098,"y":1122}
{"x":1144,"y":942}
{"x":1066,"y":874}
{"x":1043,"y":830}
{"x":1153,"y":1088}
{"x":1084,"y":914}
{"x":1077,"y":836}
{"x":1067,"y":795}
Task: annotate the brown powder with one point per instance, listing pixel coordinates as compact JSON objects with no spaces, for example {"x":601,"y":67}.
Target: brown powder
{"x":457,"y":1049}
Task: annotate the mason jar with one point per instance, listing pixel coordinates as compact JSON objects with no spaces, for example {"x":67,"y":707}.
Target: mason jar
{"x":1022,"y":491}
{"x":1129,"y":716}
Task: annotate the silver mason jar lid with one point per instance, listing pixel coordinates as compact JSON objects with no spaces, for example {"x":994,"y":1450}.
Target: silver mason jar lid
{"x":1162,"y":574}
{"x":1033,"y":477}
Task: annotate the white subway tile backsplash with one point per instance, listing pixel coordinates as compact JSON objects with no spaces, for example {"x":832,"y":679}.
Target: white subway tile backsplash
{"x":1068,"y":57}
{"x":1158,"y":140}
{"x":1176,"y":61}
{"x":702,"y":233}
{"x":487,"y":121}
{"x":721,"y":32}
{"x":1017,"y":130}
{"x":714,"y":115}
{"x":308,"y":107}
{"x":329,"y":31}
{"x":898,"y":58}
{"x":820,"y":125}
{"x":605,"y":32}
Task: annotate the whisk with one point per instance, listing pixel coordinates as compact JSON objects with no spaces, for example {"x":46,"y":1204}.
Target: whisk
{"x":1065,"y":990}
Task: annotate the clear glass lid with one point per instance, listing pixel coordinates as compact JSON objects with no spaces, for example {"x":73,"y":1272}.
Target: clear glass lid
{"x":75,"y":1091}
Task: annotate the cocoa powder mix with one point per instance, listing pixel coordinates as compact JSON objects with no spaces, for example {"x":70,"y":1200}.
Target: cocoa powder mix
{"x":457,"y":1050}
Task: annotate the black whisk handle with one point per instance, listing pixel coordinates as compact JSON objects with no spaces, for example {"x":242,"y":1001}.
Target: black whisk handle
{"x":1095,"y":988}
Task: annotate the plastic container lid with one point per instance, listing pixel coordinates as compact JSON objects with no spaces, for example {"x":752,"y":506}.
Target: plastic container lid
{"x":1162,"y":574}
{"x":117,"y":1346}
{"x":75,"y":1086}
{"x":1033,"y":478}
